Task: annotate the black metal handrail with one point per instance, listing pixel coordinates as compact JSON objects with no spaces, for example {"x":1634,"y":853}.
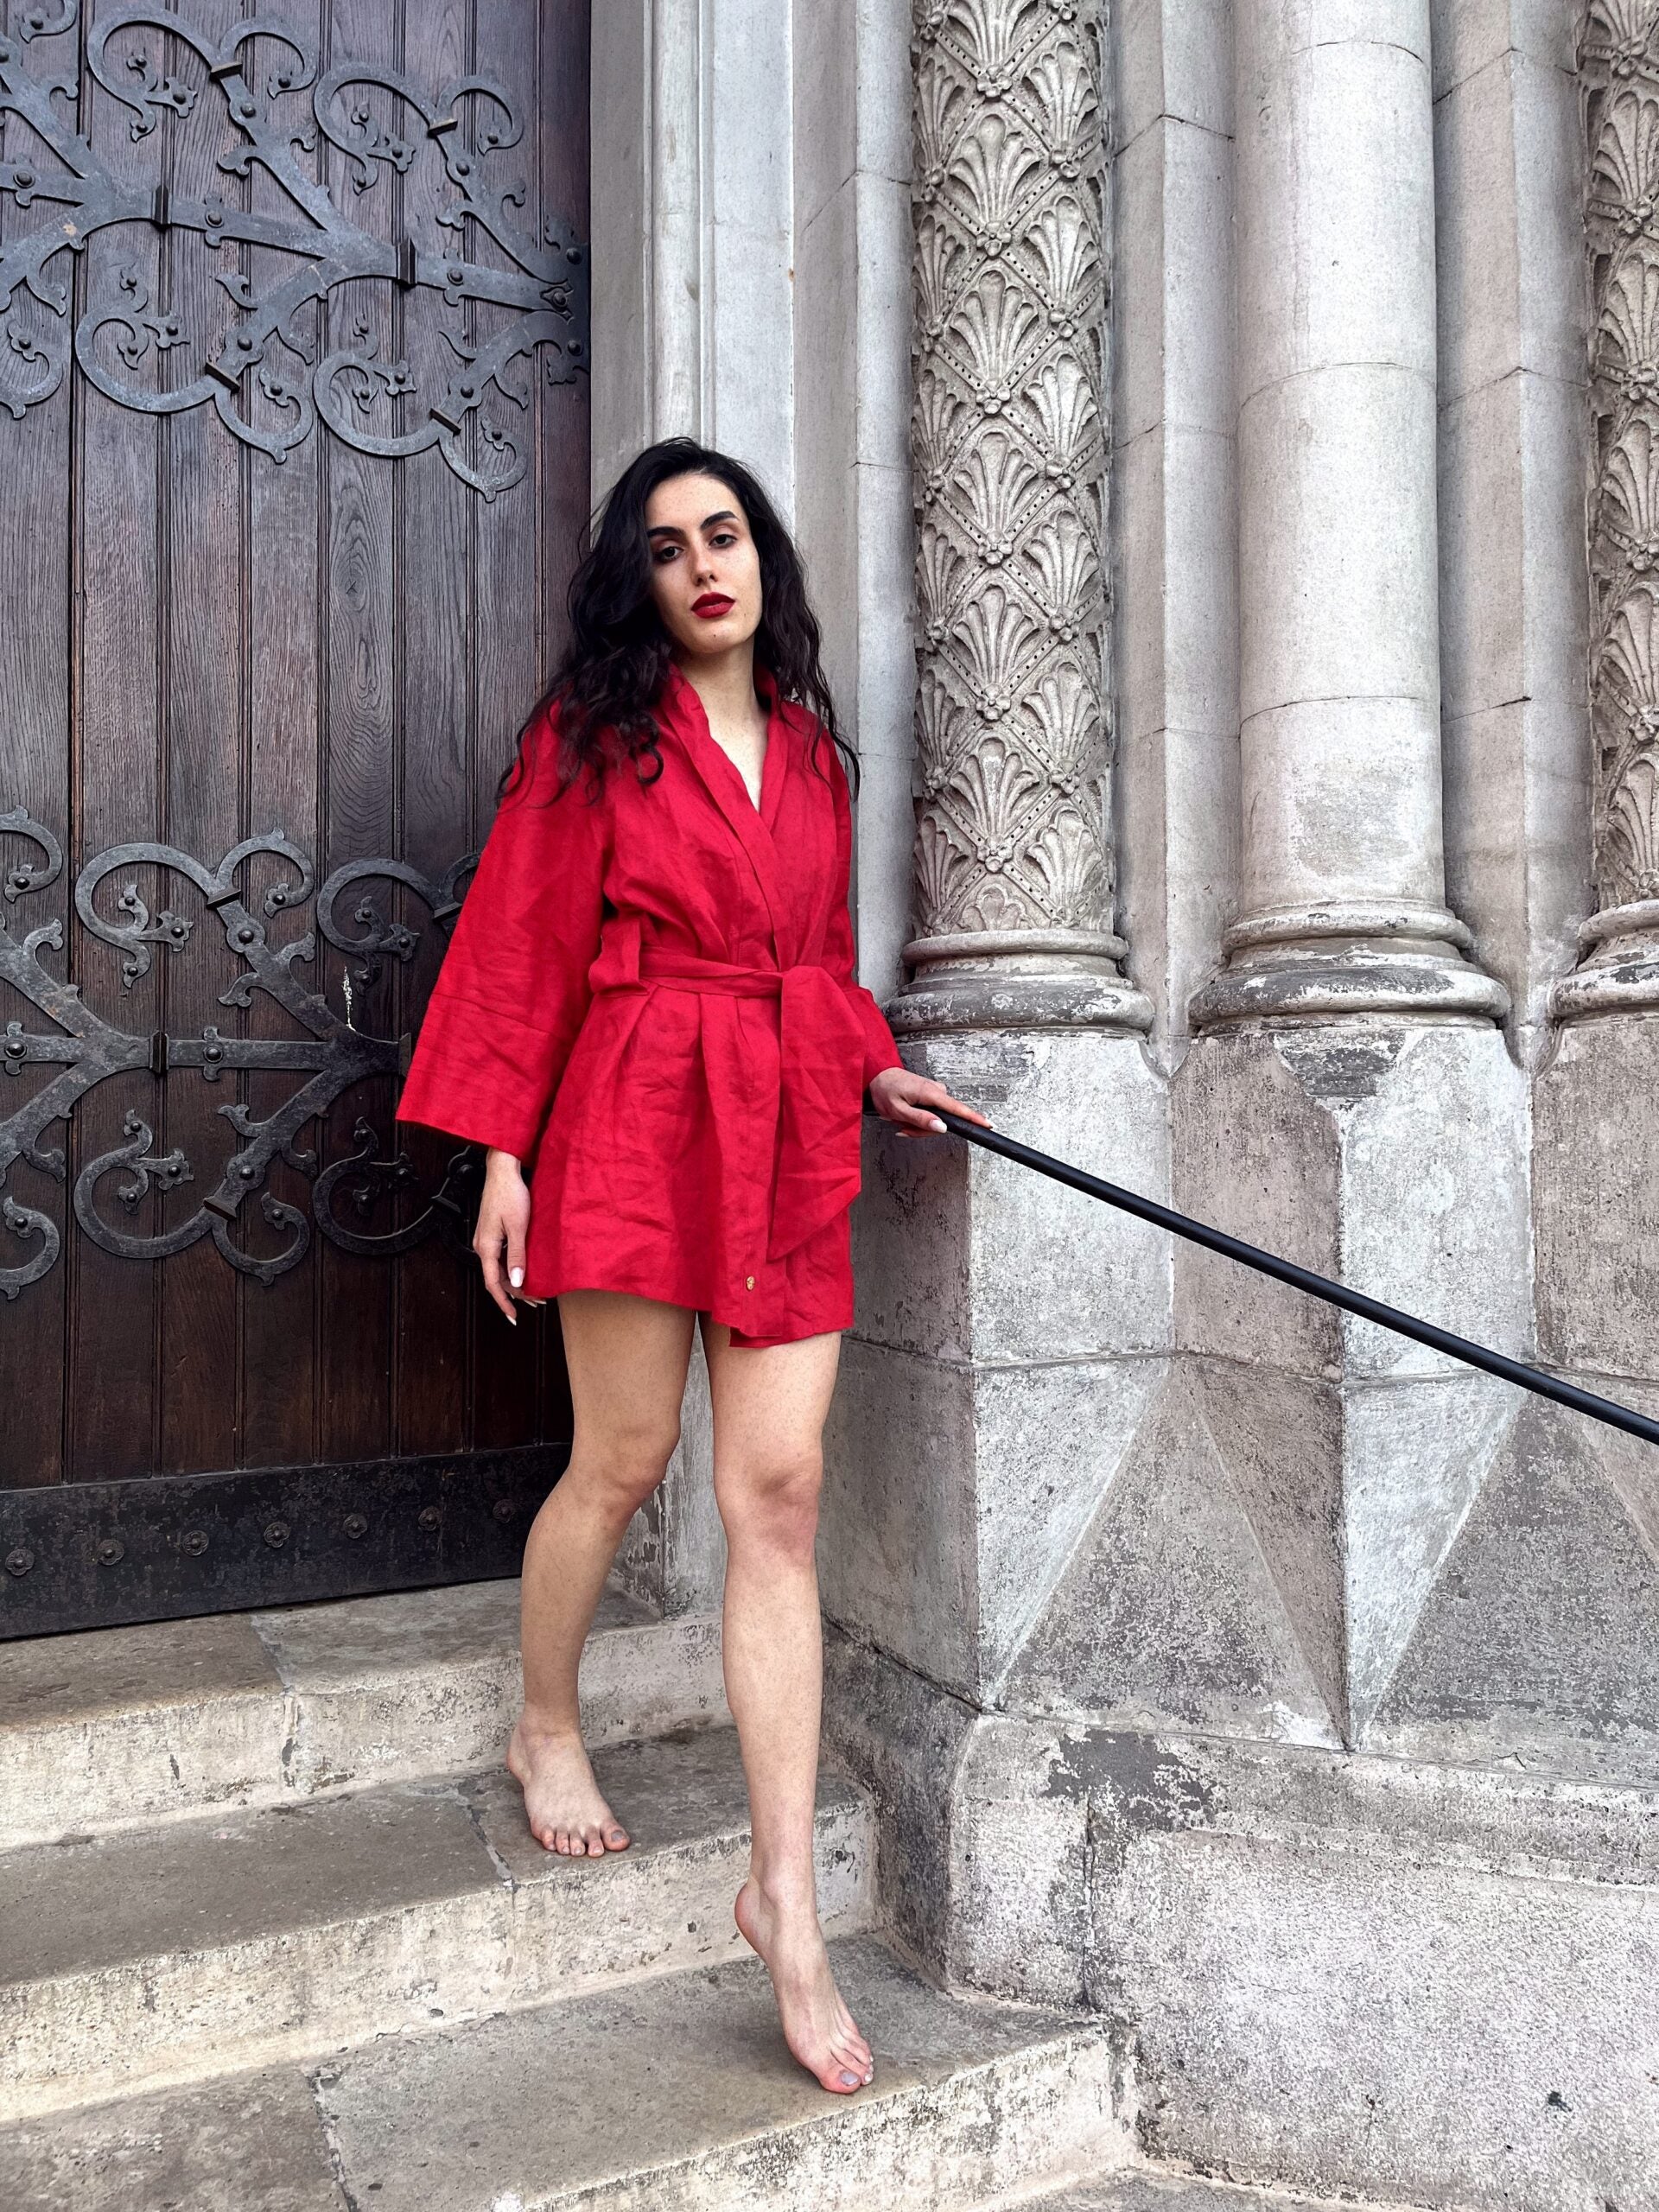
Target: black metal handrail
{"x":1303,"y":1278}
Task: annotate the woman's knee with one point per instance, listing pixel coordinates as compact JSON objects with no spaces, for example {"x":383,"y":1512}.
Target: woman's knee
{"x":623,"y":1466}
{"x":774,"y":1502}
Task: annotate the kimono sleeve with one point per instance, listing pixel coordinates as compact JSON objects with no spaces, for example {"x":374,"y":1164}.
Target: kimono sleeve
{"x":879,"y":1049}
{"x":513,"y":988}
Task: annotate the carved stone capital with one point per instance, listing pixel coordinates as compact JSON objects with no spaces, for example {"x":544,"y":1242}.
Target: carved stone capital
{"x":1015,"y":881}
{"x":1618,"y":63}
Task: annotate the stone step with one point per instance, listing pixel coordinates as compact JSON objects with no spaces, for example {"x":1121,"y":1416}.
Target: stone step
{"x":124,"y":1727}
{"x":150,"y":1955}
{"x":675,"y":2094}
{"x":1154,"y":2189}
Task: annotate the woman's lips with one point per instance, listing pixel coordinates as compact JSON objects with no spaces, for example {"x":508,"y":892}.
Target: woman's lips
{"x":712,"y":606}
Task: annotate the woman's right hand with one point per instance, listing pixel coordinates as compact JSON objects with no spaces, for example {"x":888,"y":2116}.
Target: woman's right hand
{"x":503,"y":1227}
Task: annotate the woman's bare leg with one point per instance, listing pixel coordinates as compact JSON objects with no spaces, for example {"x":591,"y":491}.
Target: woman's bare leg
{"x":627,"y":1359}
{"x":769,"y":1406}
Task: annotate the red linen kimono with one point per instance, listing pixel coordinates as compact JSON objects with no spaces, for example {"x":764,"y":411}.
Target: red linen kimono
{"x":649,"y":999}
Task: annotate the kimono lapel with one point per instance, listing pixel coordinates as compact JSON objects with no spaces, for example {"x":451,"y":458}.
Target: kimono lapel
{"x":720,"y":777}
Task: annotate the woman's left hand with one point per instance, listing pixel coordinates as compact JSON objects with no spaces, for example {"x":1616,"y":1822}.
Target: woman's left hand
{"x":903,"y":1098}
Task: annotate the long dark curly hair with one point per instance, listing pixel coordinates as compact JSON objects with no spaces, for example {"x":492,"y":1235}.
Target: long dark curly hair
{"x":611,"y":675}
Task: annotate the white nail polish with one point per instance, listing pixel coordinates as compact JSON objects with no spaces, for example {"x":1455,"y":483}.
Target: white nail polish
{"x":515,"y":1275}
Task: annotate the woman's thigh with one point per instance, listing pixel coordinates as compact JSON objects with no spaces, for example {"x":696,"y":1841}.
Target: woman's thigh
{"x":769,"y":1403}
{"x":627,"y":1359}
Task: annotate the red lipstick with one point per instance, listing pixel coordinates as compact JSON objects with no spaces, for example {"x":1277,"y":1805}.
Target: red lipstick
{"x":712,"y":606}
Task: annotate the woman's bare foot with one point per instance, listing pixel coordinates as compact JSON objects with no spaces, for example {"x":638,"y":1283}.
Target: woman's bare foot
{"x":817,"y":2027}
{"x":561,"y":1800}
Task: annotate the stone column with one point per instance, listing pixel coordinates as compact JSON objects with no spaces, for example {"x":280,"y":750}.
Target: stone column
{"x":1619,"y":75}
{"x":1342,"y":874}
{"x":1014,"y":874}
{"x":1010,"y":1336}
{"x":1598,"y":1198}
{"x":1350,"y":1100}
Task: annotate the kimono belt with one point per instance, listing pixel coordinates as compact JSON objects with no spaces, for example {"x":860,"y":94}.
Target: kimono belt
{"x":821,"y":1082}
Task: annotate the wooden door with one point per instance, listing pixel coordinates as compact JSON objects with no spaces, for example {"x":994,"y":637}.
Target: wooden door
{"x":294,"y":456}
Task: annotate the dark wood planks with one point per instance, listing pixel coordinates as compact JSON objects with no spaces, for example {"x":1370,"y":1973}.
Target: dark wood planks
{"x":360,"y":740}
{"x":35,"y":467}
{"x":281,"y":1324}
{"x":510,"y":554}
{"x":201,"y":585}
{"x":341,"y":646}
{"x":113,"y":1411}
{"x":437,"y":611}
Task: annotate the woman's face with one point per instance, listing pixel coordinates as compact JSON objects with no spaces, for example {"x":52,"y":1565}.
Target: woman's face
{"x":705,"y":572}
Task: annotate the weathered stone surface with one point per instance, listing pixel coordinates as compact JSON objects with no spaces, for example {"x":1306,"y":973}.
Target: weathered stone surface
{"x":152,"y":1956}
{"x":1043,"y":1444}
{"x":124,"y":1726}
{"x":1342,"y":875}
{"x":1016,"y":1339}
{"x":247,"y":2143}
{"x":429,"y":1682}
{"x":1172,"y":57}
{"x":680,"y":2094}
{"x":1392,"y":1158}
{"x":901,"y":1738}
{"x":133,"y":1724}
{"x":1171,"y":2192}
{"x":163,"y":1953}
{"x":1540,"y":1641}
{"x":1347,"y":1978}
{"x":1027,"y":1939}
{"x":1168,"y":1606}
{"x":1397,"y":2033}
{"x":1015,"y":869}
{"x":578,"y":1923}
{"x":1618,"y":80}
{"x":972,"y":1258}
{"x":1598,"y":1202}
{"x":1515,"y":611}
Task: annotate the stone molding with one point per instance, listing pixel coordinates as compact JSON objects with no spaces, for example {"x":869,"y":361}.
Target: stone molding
{"x":1618,"y":66}
{"x":1015,"y":880}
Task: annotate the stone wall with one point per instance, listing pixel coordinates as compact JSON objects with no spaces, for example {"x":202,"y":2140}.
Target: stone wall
{"x":1281,"y":1688}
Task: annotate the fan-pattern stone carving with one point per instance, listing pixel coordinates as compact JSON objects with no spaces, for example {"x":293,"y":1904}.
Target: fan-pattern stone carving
{"x":1619,"y":61}
{"x":1013,"y":762}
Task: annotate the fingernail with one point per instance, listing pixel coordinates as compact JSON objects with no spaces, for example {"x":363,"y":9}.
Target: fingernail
{"x":513,"y":1318}
{"x":937,"y":1124}
{"x":515,"y":1276}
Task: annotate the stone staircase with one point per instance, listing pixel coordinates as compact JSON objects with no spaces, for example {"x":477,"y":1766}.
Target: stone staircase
{"x":274,"y":1937}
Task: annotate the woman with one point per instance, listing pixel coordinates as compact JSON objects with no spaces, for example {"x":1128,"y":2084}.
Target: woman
{"x":649,"y":1009}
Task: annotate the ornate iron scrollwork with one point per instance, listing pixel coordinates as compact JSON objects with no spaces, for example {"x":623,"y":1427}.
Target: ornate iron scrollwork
{"x":247,"y":376}
{"x":330,"y":1054}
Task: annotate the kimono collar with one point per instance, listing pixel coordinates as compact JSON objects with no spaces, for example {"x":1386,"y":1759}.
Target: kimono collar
{"x":723,"y":780}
